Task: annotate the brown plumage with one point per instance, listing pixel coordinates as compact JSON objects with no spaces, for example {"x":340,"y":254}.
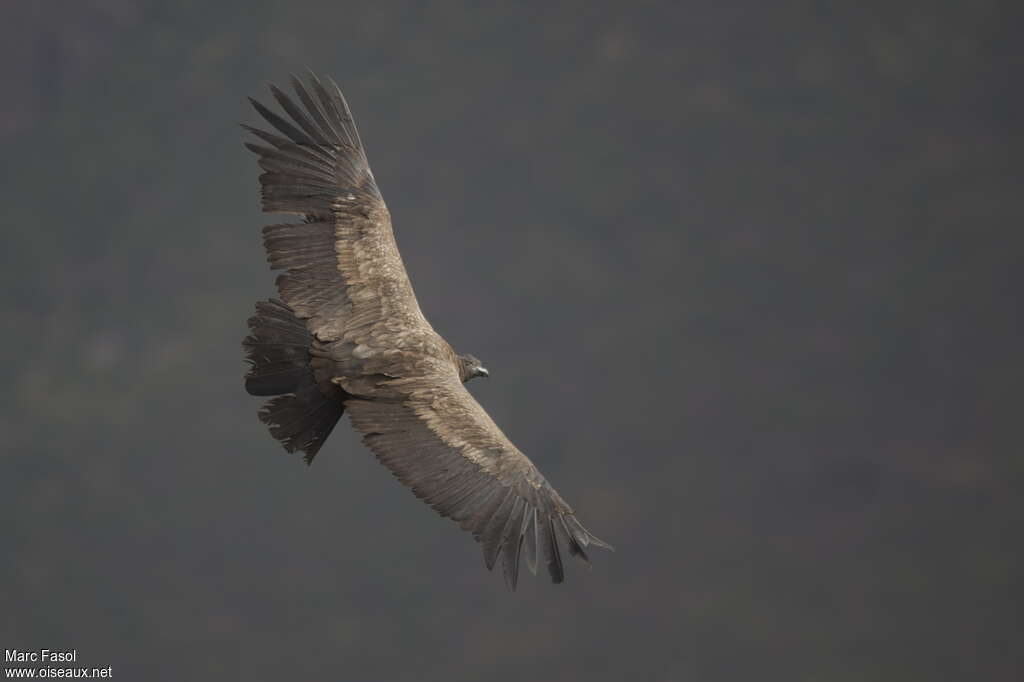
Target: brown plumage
{"x":349,"y":336}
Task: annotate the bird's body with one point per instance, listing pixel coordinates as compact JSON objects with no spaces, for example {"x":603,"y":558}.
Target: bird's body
{"x":349,"y":336}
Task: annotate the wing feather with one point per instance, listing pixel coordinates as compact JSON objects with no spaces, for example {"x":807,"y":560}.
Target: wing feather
{"x":323,"y":120}
{"x":491,"y":530}
{"x":530,"y":541}
{"x":343,"y":273}
{"x":314,"y":132}
{"x":344,"y":277}
{"x":439,"y":442}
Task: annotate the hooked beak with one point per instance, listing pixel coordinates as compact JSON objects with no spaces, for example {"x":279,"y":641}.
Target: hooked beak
{"x":482,"y":371}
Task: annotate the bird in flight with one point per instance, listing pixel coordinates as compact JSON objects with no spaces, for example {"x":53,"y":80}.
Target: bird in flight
{"x":348,"y":336}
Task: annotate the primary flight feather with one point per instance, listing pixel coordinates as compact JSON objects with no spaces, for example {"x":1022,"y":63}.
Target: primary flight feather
{"x":348,"y":336}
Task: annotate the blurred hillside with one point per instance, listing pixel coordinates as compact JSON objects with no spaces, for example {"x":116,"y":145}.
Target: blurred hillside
{"x":747,"y":278}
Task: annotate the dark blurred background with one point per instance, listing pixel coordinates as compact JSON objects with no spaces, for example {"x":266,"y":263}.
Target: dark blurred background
{"x":747,"y":277}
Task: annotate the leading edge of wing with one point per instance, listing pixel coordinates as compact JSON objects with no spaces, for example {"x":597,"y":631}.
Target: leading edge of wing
{"x":315,"y":166}
{"x":315,"y":163}
{"x":494,"y":492}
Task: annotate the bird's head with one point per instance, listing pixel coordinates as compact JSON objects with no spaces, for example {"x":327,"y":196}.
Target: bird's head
{"x":470,"y":368}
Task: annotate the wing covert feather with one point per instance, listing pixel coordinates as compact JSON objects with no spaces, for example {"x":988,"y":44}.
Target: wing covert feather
{"x":343,"y":273}
{"x":443,"y":445}
{"x":344,"y":278}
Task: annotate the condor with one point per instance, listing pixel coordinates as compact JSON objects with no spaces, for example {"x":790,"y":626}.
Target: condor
{"x":348,"y":336}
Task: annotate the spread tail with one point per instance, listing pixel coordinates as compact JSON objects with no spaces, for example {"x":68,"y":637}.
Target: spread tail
{"x":278,"y":347}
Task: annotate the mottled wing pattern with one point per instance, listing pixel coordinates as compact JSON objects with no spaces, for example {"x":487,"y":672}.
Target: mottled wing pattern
{"x":343,"y":273}
{"x":443,"y":445}
{"x":399,"y":381}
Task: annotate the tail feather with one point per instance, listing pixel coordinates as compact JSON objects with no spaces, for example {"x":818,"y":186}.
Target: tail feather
{"x":304,"y":412}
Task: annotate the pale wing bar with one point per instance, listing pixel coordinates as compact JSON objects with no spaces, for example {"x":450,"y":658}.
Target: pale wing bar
{"x":344,"y":277}
{"x":318,"y":170}
{"x":497,"y":495}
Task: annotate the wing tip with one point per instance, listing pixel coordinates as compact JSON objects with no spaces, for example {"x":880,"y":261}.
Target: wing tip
{"x":514,"y":546}
{"x":578,"y":532}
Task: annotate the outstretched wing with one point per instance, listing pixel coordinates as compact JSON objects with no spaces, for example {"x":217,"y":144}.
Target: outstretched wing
{"x":344,"y":275}
{"x":439,"y":441}
{"x":345,"y":279}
